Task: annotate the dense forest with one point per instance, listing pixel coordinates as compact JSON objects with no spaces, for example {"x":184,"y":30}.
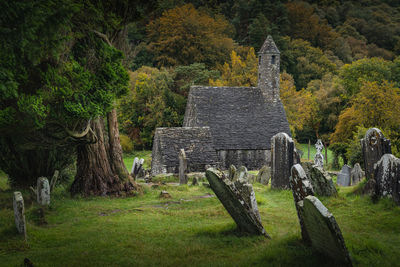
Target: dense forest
{"x":340,"y":65}
{"x":69,"y":69}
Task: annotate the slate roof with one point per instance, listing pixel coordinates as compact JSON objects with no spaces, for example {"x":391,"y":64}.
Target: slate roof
{"x":238,"y":117}
{"x":196,"y":141}
{"x":269,"y":47}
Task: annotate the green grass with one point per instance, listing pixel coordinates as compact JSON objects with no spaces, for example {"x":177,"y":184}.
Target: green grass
{"x":145,"y":154}
{"x":187,"y":230}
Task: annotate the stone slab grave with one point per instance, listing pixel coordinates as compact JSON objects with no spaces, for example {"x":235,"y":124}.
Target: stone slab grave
{"x":183,"y":178}
{"x":343,"y":177}
{"x":301,"y":187}
{"x":282,"y":154}
{"x":239,"y":200}
{"x":19,"y":213}
{"x":323,"y":230}
{"x":356,"y":174}
{"x":374,"y":145}
{"x":387,"y":178}
{"x":43,"y":191}
{"x":320,"y":180}
{"x":264,"y":175}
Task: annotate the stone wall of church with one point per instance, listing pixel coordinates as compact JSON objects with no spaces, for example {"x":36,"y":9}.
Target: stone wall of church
{"x":253,"y":159}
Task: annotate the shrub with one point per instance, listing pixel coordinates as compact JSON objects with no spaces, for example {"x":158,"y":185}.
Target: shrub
{"x":126,"y":143}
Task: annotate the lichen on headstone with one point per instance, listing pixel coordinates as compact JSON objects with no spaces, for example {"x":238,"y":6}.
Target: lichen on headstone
{"x":319,"y":158}
{"x":43,"y":191}
{"x":387,"y":178}
{"x":19,"y":213}
{"x":239,"y":200}
{"x":321,"y":181}
{"x":356,"y":174}
{"x":343,"y":177}
{"x":264,"y":175}
{"x":282,"y":151}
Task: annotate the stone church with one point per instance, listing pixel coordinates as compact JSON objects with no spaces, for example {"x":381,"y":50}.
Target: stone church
{"x":227,"y":125}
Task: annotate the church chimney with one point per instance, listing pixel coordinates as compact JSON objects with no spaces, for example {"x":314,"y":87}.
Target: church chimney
{"x":268,"y":70}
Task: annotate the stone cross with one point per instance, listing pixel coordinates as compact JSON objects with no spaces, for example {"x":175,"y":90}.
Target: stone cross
{"x":43,"y":191}
{"x":282,"y":151}
{"x":323,"y":231}
{"x":301,"y":187}
{"x":387,"y":178}
{"x":19,"y":213}
{"x":374,"y":145}
{"x":319,"y":158}
{"x":343,"y":177}
{"x":183,"y":178}
{"x":239,"y":200}
{"x":356,"y":174}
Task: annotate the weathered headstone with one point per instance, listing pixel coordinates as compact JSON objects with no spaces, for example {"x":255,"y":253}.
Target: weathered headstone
{"x":319,"y":158}
{"x":356,"y":174}
{"x":183,"y":178}
{"x":43,"y":191}
{"x":374,"y":145}
{"x":323,"y":230}
{"x":241,"y":174}
{"x":264,"y":175}
{"x":301,"y":187}
{"x":321,"y":181}
{"x":19,"y":213}
{"x":282,"y":151}
{"x":239,"y":200}
{"x":387,"y":178}
{"x":134,"y":165}
{"x":343,"y":177}
{"x":232,"y":172}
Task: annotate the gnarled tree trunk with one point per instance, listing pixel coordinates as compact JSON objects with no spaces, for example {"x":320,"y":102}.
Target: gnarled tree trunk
{"x":95,"y":172}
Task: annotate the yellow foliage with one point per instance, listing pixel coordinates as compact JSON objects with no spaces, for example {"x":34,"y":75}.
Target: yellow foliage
{"x":239,"y":72}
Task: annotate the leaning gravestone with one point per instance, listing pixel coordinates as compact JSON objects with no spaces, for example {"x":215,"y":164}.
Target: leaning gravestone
{"x":343,"y":177}
{"x":374,"y":145}
{"x":43,"y":191}
{"x":323,"y":230}
{"x":239,"y":200}
{"x":19,"y":213}
{"x":356,"y":174}
{"x":183,"y":178}
{"x":321,"y":181}
{"x":264,"y":175}
{"x":387,"y":178}
{"x":282,"y":149}
{"x":301,"y":187}
{"x":319,"y":158}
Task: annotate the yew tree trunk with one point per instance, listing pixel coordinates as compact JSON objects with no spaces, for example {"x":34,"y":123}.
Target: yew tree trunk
{"x":95,"y":175}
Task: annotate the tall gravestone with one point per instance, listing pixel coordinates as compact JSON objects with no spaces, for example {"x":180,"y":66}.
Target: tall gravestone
{"x":282,"y":154}
{"x":374,"y":145}
{"x":183,"y":178}
{"x":387,"y":178}
{"x":19,"y":213}
{"x":239,"y":200}
{"x":356,"y":174}
{"x":323,"y":230}
{"x":319,"y":158}
{"x":343,"y":177}
{"x":43,"y":191}
{"x":301,"y":187}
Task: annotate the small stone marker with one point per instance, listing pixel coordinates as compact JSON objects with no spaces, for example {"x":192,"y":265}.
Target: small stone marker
{"x":319,"y":158}
{"x":165,"y":194}
{"x":343,"y":177}
{"x":183,"y":178}
{"x":324,"y":232}
{"x":301,"y":187}
{"x":374,"y":145}
{"x":321,"y":181}
{"x":387,"y":178}
{"x":43,"y":191}
{"x":19,"y":213}
{"x":239,"y":200}
{"x":356,"y":174}
{"x":282,"y":154}
{"x":264,"y":175}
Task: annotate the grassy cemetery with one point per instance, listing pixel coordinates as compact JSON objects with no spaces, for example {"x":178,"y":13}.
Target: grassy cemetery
{"x":199,"y":133}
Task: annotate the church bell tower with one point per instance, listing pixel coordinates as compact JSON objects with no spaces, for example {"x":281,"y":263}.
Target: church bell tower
{"x":268,"y":70}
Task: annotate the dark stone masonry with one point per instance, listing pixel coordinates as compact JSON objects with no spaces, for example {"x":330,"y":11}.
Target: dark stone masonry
{"x":241,"y":120}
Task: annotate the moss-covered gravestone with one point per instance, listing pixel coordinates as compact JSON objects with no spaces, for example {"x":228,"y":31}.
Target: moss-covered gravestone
{"x":323,"y":230}
{"x":387,"y":178}
{"x":321,"y":181}
{"x":264,"y":175}
{"x":239,"y":200}
{"x":19,"y":213}
{"x":43,"y":191}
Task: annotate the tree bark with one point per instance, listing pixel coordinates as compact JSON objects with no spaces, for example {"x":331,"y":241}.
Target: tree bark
{"x":95,"y":175}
